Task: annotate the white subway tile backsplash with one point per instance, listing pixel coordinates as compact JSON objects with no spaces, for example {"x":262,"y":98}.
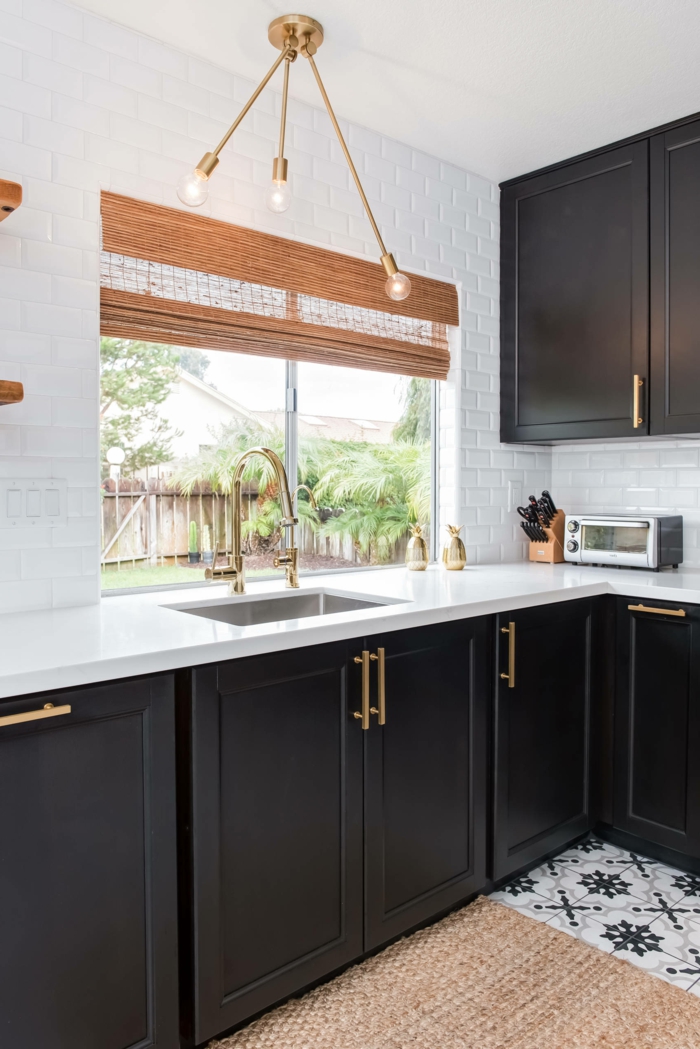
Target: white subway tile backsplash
{"x":130,"y":114}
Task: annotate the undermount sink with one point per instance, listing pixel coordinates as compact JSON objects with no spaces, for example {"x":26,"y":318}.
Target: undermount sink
{"x":249,"y":610}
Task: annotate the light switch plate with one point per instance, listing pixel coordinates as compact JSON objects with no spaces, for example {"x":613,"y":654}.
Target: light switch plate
{"x":515,"y":496}
{"x":32,"y":502}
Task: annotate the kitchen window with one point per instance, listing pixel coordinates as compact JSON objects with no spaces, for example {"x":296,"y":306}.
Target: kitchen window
{"x":178,"y":418}
{"x":286,"y":344}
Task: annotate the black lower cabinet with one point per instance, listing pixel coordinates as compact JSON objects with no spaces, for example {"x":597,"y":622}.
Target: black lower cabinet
{"x":297,"y":862}
{"x":544,"y":671}
{"x":276,"y":830}
{"x":657,"y":723}
{"x":425,"y":776}
{"x":88,"y":949}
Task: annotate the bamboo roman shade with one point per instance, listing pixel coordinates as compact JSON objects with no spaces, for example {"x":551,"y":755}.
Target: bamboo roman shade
{"x":169,"y":276}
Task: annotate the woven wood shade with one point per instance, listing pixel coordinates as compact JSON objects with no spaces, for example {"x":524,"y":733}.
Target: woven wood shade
{"x":189,"y":280}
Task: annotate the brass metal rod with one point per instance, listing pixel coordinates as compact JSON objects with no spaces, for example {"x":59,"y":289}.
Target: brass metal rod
{"x":657,"y":611}
{"x":283,"y":116}
{"x":263,"y":83}
{"x":380,"y":657}
{"x":346,"y":151}
{"x":47,"y":711}
{"x":364,"y":712}
{"x":510,"y":676}
{"x":637,"y":384}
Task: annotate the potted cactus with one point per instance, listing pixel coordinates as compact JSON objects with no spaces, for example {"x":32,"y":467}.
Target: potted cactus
{"x":193,"y":552}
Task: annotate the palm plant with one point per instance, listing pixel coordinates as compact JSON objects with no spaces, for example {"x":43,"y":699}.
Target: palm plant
{"x":380,"y":490}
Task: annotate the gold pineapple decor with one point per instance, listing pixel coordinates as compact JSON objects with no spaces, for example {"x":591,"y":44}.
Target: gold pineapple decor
{"x":454,"y":556}
{"x":417,"y":551}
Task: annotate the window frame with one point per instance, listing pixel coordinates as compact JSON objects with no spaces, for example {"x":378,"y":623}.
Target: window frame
{"x":291,"y":462}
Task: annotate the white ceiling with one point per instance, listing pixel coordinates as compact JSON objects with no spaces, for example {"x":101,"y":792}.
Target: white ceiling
{"x":497,"y":86}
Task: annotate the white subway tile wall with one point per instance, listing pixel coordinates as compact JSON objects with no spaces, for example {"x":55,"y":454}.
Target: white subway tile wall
{"x":655,"y":477}
{"x":87,"y":105}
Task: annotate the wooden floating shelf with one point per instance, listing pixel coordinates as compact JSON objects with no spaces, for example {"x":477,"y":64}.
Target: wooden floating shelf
{"x":10,"y":197}
{"x":11,"y":392}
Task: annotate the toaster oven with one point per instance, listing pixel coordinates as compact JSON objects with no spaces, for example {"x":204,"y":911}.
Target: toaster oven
{"x":627,"y":540}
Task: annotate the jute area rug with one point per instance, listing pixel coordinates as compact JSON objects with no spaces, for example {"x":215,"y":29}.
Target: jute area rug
{"x":485,"y":977}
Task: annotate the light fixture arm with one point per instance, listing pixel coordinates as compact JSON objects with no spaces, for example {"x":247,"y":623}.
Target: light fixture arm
{"x":387,"y":258}
{"x":292,"y":35}
{"x":210,"y":160}
{"x":279,"y":164}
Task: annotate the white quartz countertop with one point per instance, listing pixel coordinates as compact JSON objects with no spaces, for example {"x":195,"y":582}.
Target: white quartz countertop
{"x":138,"y":634}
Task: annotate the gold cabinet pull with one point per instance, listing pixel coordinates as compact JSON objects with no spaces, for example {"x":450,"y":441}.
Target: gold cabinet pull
{"x":510,"y":676}
{"x":364,"y":713}
{"x":657,"y":611}
{"x":637,"y":384}
{"x":381,"y":686}
{"x":47,"y":711}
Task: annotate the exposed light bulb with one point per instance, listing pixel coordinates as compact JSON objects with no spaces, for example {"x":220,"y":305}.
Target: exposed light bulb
{"x":193,"y":189}
{"x":398,"y":287}
{"x":279,"y":196}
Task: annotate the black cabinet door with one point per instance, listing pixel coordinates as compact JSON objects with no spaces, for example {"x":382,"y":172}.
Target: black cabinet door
{"x":657,"y":724}
{"x":88,"y":949}
{"x":542,"y":732}
{"x":574,"y":299}
{"x":675,"y":280}
{"x":276,"y":830}
{"x":425,"y":769}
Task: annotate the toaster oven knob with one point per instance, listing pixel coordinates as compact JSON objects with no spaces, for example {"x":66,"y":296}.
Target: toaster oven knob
{"x":572,"y":526}
{"x":571,"y":546}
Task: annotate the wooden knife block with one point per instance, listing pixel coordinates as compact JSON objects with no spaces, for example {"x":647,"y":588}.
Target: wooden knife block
{"x":551,"y":552}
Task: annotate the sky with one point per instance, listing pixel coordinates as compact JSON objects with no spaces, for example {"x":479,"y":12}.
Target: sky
{"x":258,"y":384}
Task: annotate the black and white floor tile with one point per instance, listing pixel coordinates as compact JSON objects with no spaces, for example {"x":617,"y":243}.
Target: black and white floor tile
{"x":624,"y":904}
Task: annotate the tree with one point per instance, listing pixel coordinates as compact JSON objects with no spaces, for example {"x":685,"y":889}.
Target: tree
{"x":135,"y":378}
{"x":414,"y":424}
{"x":376,"y":490}
{"x":196,"y":363}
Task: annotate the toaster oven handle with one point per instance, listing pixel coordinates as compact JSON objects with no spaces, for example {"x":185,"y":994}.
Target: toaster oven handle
{"x":612,"y":523}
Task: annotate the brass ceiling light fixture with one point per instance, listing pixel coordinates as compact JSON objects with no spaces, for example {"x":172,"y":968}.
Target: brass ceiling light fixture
{"x":293,"y":35}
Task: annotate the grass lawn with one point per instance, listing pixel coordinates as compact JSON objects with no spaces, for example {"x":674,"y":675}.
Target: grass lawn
{"x":154,"y":575}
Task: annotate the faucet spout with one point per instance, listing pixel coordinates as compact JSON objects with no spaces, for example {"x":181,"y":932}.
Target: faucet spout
{"x":235,"y":570}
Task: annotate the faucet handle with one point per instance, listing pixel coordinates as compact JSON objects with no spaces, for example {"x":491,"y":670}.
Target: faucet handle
{"x":209,"y":572}
{"x":306,"y":488}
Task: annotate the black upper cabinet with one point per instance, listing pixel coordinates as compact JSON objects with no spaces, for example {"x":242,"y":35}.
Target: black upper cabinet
{"x":425,"y":776}
{"x":543,"y":723}
{"x":657,"y":724}
{"x":574,"y":318}
{"x":675,"y":281}
{"x":88,"y":951}
{"x":276,"y":818}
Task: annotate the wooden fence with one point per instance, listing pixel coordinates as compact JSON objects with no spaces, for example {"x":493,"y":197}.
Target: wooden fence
{"x":151,"y":526}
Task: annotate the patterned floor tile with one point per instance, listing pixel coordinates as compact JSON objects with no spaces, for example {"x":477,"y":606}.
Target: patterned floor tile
{"x":595,"y":855}
{"x":651,"y":882}
{"x":646,"y":954}
{"x":681,"y":938}
{"x":586,"y":928}
{"x":526,"y":887}
{"x":533,"y":907}
{"x":622,"y":903}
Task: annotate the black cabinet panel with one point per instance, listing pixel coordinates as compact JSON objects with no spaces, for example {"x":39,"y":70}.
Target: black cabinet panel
{"x":575,"y":299}
{"x":657,"y":772}
{"x":88,"y":952}
{"x":277,"y":830}
{"x":425,"y":769}
{"x":542,"y":733}
{"x":675,"y":280}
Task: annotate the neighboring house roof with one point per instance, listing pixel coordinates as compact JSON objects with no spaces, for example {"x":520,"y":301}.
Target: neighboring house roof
{"x":377,"y":431}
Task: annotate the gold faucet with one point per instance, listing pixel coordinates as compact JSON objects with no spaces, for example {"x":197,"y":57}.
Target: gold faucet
{"x":234,"y":571}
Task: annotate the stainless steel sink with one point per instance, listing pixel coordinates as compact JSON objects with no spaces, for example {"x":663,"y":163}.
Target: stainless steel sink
{"x":274,"y":608}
